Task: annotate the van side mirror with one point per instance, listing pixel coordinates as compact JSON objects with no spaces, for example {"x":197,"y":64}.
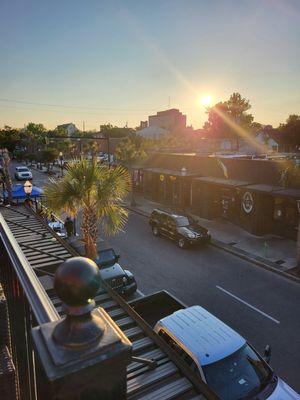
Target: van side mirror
{"x":267,"y":353}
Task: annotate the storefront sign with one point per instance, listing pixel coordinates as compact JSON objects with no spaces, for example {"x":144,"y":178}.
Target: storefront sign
{"x":161,"y":178}
{"x":247,"y":202}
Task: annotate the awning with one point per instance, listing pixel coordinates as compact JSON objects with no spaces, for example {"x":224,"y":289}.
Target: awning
{"x":222,"y":181}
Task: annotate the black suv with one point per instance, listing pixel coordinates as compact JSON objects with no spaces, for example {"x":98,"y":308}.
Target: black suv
{"x":113,"y":274}
{"x":183,"y":229}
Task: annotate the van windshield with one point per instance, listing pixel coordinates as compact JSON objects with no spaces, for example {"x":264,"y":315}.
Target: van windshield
{"x":241,"y":375}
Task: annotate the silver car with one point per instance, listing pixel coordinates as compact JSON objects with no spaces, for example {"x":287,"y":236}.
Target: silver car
{"x":23,"y":173}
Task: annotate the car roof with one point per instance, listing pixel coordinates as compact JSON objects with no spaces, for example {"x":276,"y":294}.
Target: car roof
{"x":22,"y":166}
{"x":201,"y":334}
{"x":169,"y":213}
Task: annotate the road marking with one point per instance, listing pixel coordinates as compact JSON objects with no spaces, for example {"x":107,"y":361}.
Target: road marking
{"x":122,"y":230}
{"x":247,"y":304}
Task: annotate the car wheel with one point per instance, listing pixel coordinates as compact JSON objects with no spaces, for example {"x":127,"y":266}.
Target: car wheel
{"x":181,"y":243}
{"x":155,"y":230}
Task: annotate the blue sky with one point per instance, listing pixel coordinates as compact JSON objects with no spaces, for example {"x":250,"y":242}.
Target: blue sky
{"x":120,"y":61}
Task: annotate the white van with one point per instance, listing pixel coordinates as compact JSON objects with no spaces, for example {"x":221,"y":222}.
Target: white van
{"x":223,"y":358}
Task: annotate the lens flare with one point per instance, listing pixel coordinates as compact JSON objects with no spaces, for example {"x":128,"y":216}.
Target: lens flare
{"x":206,"y":101}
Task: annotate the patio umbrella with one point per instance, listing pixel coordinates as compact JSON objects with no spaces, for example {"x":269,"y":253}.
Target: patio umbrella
{"x":19,"y":193}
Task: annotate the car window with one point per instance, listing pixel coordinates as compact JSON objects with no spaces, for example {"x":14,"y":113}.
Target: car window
{"x":171,"y":222}
{"x":23,"y":169}
{"x":182,"y":221}
{"x":243,"y":374}
{"x":179,"y":350}
{"x":106,"y":256}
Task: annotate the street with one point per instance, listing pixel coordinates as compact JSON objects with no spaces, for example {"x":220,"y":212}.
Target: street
{"x":261,"y":305}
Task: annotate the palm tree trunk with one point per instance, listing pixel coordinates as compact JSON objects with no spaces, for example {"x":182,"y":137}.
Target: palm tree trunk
{"x":133,"y":202}
{"x":89,"y":228}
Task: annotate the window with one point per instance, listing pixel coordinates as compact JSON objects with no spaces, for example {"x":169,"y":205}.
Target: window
{"x":182,"y":221}
{"x":179,"y":350}
{"x":241,"y":375}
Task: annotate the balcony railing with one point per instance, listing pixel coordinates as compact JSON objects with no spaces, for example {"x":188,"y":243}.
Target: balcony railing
{"x":28,"y":306}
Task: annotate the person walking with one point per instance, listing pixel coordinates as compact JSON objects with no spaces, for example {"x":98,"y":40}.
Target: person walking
{"x":69,"y":226}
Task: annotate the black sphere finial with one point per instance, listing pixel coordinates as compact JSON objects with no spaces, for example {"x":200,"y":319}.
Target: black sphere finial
{"x":76,"y":281}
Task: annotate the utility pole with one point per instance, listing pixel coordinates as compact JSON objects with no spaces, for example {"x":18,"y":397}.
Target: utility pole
{"x":83,"y":126}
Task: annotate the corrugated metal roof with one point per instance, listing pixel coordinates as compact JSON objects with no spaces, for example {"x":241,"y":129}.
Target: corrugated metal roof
{"x":45,"y":251}
{"x":202,"y":334}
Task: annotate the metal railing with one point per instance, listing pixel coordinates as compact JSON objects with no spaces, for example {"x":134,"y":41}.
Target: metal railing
{"x":28,"y":306}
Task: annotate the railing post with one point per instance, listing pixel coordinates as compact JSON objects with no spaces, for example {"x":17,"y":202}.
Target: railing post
{"x":84,"y":356}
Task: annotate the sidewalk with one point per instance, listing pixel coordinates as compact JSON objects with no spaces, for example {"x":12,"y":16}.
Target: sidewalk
{"x":269,"y":251}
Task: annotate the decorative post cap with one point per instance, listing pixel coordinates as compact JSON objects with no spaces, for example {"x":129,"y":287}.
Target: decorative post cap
{"x":76,"y":283}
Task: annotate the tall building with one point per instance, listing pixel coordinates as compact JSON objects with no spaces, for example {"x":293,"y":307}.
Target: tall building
{"x":171,"y":119}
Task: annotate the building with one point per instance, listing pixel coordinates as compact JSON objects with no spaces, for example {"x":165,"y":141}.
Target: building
{"x":69,"y":128}
{"x":152,"y":132}
{"x":260,"y":195}
{"x":171,"y":120}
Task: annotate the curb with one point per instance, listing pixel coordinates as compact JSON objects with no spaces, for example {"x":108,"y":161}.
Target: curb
{"x":238,"y":253}
{"x":247,"y":257}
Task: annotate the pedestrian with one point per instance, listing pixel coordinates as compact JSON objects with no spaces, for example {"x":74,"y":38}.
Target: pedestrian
{"x":52,"y":218}
{"x":69,"y":226}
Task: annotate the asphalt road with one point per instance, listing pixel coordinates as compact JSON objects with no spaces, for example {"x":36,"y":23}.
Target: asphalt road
{"x":260,"y":305}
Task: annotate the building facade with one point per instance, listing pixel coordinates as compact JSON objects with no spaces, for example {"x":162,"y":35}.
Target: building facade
{"x":262,"y":196}
{"x":170,"y":119}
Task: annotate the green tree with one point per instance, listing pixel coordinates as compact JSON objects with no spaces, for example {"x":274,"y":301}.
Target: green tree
{"x":96,"y":192}
{"x":9,"y":138}
{"x":111,"y":131}
{"x":290,"y":133}
{"x":48,"y":156}
{"x":230,"y":119}
{"x":129,"y":151}
{"x":36,"y":135}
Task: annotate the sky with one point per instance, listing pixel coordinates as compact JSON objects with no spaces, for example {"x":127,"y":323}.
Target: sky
{"x":120,"y":61}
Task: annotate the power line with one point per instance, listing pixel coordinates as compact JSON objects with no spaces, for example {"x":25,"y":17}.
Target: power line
{"x":135,"y":110}
{"x":73,"y":106}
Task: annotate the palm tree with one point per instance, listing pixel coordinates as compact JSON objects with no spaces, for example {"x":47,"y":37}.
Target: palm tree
{"x":96,"y":192}
{"x":129,"y":151}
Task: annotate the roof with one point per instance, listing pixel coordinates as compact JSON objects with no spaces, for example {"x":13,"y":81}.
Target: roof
{"x":152,"y":131}
{"x":263,"y":188}
{"x":46,"y":251}
{"x":65,"y":125}
{"x":203,"y":335}
{"x":223,"y":182}
{"x":172,"y":172}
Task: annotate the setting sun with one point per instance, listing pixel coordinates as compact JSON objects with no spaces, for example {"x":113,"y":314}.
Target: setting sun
{"x":206,"y":101}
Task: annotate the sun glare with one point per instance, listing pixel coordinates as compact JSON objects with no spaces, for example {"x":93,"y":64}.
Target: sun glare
{"x":206,"y":101}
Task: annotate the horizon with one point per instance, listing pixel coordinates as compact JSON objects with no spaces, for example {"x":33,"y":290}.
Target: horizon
{"x":119,"y":63}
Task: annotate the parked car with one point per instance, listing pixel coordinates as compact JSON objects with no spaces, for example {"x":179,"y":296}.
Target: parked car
{"x":113,"y":274}
{"x":23,"y":174}
{"x":183,"y":229}
{"x":58,"y":228}
{"x":222,"y":357}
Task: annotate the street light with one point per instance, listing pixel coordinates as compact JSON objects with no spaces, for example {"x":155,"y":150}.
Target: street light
{"x":28,"y":189}
{"x":61,"y":163}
